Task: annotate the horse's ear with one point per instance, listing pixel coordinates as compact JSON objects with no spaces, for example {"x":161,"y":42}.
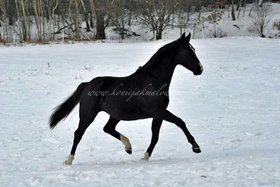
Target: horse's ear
{"x":188,"y":38}
{"x":183,"y":37}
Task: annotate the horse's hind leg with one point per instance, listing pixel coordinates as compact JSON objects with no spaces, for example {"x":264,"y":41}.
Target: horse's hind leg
{"x":110,"y":128}
{"x":156,"y":124}
{"x":86,"y":118}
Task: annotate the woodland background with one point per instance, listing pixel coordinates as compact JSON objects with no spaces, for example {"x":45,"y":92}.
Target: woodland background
{"x":42,"y":21}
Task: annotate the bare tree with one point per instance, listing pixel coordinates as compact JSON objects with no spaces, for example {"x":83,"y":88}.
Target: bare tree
{"x":121,"y":15}
{"x":37,"y":12}
{"x":87,"y":14}
{"x":77,"y":19}
{"x":21,"y":14}
{"x":100,"y":8}
{"x":213,"y":19}
{"x":261,"y":18}
{"x":67,"y":17}
{"x":3,"y":22}
{"x":156,"y":14}
{"x":183,"y":13}
{"x":51,"y":6}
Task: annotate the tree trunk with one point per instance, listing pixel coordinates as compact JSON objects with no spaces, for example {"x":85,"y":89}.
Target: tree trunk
{"x":252,"y":8}
{"x":77,"y":20}
{"x":42,"y":19}
{"x":100,"y":27}
{"x":159,"y":35}
{"x":262,"y":31}
{"x":232,"y":10}
{"x":53,"y":22}
{"x":243,"y":3}
{"x":91,"y":13}
{"x":238,"y":5}
{"x":91,"y":21}
{"x":24,"y":25}
{"x":194,"y":30}
{"x":11,"y":21}
{"x":87,"y":23}
{"x":86,"y":17}
{"x":37,"y":20}
{"x":215,"y":33}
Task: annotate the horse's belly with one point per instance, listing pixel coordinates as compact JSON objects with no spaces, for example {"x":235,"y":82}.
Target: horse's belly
{"x":122,"y":109}
{"x":126,"y":114}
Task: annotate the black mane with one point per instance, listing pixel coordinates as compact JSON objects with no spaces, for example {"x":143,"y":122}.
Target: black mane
{"x":167,"y":49}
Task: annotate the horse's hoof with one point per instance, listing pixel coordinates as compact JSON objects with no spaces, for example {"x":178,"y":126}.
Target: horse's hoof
{"x":146,"y":156}
{"x":69,"y":161}
{"x":129,"y":151}
{"x":196,"y":149}
{"x":125,"y":141}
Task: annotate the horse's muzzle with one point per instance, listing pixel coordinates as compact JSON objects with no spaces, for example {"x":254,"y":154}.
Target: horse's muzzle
{"x":199,"y":72}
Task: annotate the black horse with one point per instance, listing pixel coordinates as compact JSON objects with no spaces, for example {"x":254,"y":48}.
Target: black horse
{"x":143,"y":94}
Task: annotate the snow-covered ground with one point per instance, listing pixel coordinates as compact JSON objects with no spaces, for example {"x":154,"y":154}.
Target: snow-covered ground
{"x":233,"y":111}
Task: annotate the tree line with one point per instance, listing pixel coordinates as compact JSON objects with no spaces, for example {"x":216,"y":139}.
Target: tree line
{"x":50,"y":20}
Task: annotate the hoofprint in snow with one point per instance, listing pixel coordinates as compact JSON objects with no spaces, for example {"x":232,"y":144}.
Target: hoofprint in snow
{"x":232,"y":110}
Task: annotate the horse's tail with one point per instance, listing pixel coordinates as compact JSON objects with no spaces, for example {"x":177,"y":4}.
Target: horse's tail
{"x":64,"y":109}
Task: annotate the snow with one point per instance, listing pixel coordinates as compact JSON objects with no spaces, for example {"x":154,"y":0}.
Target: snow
{"x":225,"y":27}
{"x":232,"y":110}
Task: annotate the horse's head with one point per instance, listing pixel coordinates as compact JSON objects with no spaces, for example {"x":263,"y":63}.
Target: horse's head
{"x":186,"y":55}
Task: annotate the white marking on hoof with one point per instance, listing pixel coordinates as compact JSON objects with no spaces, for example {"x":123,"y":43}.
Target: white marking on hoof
{"x":126,"y":143}
{"x":69,"y":160}
{"x":146,"y":156}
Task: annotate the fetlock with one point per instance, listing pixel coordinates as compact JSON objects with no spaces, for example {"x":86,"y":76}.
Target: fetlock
{"x":126,"y":143}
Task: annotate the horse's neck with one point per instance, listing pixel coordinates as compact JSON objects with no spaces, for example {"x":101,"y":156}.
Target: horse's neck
{"x":163,"y":70}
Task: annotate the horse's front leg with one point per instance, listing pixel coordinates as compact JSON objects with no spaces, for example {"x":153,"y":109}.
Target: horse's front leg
{"x":156,"y":124}
{"x":168,"y":116}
